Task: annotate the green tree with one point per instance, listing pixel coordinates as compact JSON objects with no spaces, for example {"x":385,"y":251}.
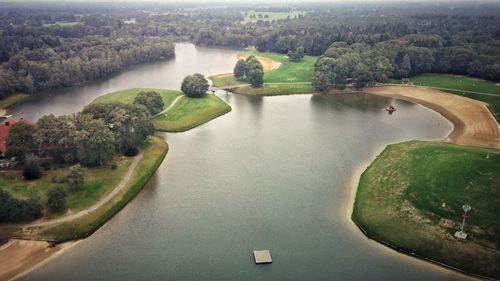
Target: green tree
{"x":194,"y":86}
{"x":130,"y":123}
{"x":362,"y":75}
{"x":321,"y":81}
{"x":151,"y":100}
{"x":32,"y":168}
{"x":55,"y":136}
{"x":240,"y":69}
{"x":298,"y":54}
{"x":56,"y":199}
{"x":15,"y":210}
{"x":95,"y":142}
{"x":75,"y":178}
{"x":255,"y":77}
{"x":20,"y":140}
{"x":405,"y":66}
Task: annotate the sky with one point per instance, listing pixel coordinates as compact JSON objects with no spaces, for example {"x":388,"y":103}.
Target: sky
{"x":252,"y":1}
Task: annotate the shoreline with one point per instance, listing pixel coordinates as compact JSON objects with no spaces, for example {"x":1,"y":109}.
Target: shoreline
{"x":474,"y":124}
{"x":24,"y":256}
{"x":465,"y":131}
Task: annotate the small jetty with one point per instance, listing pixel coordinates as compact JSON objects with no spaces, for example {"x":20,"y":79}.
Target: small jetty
{"x":262,"y":256}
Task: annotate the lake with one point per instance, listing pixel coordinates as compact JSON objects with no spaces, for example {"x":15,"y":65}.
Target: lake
{"x":275,"y":173}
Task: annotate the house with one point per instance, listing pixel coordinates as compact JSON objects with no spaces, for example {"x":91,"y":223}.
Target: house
{"x":6,"y":121}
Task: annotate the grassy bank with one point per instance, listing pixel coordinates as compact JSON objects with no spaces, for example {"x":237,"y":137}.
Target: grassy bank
{"x":98,"y":182}
{"x":186,"y":114}
{"x":462,"y":85}
{"x":411,"y":196}
{"x":154,"y":153}
{"x":128,"y":95}
{"x":275,"y":89}
{"x":12,"y":100}
{"x":191,"y":112}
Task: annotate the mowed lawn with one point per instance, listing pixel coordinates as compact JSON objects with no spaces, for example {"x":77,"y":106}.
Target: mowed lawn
{"x":461,"y":84}
{"x":186,"y":114}
{"x":191,"y":112}
{"x":289,"y":71}
{"x":268,"y":16}
{"x":411,"y":197}
{"x":128,"y":95}
{"x":275,"y":89}
{"x":456,"y":82}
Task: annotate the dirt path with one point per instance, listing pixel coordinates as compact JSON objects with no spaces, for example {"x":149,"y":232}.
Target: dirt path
{"x":267,"y":64}
{"x":169,"y":107}
{"x":474,"y":123}
{"x":101,"y":202}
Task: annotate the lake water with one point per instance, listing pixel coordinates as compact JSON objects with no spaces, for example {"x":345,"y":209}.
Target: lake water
{"x":275,"y":173}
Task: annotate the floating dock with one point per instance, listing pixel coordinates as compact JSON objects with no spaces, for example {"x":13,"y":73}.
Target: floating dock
{"x":262,"y":256}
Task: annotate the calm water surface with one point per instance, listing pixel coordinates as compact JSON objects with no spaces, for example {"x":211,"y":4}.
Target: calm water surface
{"x":274,"y":174}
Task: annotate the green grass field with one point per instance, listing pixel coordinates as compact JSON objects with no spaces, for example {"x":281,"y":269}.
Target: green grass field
{"x":289,"y":71}
{"x":186,"y":114}
{"x":411,"y":198}
{"x":128,"y":95}
{"x":154,"y":153}
{"x":456,"y":82}
{"x":62,"y":23}
{"x":292,"y":77}
{"x":275,"y":89}
{"x":268,"y":16}
{"x":12,"y":100}
{"x":98,"y":182}
{"x":461,"y":84}
{"x":191,"y":112}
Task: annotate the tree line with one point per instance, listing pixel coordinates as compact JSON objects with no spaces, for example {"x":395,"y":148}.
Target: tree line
{"x":36,"y":53}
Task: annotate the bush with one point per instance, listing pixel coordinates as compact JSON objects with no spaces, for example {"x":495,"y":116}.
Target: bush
{"x":15,"y":210}
{"x":75,"y":178}
{"x":194,"y":86}
{"x":31,"y":167}
{"x":131,"y":151}
{"x":56,"y":199}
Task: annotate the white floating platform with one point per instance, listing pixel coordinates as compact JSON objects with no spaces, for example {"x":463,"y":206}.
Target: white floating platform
{"x":262,"y":256}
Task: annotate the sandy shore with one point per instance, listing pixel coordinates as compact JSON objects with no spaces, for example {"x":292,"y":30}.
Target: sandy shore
{"x":474,"y":123}
{"x":267,"y":64}
{"x":19,"y":257}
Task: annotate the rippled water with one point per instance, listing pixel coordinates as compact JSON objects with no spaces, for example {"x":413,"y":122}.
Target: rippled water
{"x":274,"y":173}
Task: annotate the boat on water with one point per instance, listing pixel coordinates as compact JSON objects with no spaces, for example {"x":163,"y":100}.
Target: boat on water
{"x":390,"y":109}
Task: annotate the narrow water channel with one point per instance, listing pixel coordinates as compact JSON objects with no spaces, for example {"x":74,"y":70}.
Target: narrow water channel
{"x":273,"y":174}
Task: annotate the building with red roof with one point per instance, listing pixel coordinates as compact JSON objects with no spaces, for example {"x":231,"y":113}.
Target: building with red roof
{"x":6,"y":122}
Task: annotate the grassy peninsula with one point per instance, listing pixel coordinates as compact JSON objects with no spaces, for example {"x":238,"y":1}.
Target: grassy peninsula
{"x":185,"y":114}
{"x":290,"y":77}
{"x":410,"y":198}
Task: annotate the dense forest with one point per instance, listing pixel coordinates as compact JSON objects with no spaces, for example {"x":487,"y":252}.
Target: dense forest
{"x":44,"y":46}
